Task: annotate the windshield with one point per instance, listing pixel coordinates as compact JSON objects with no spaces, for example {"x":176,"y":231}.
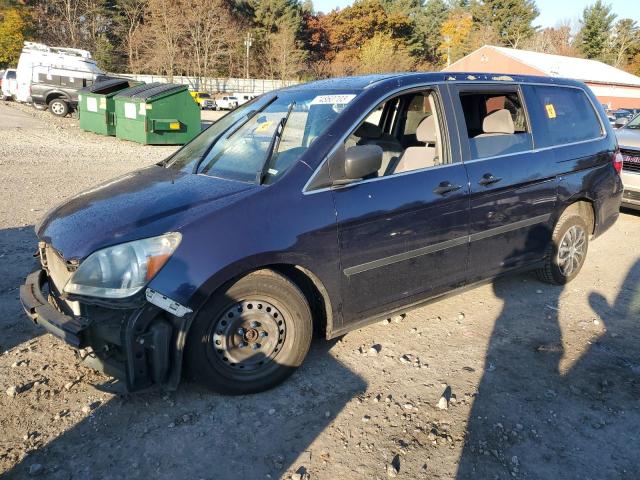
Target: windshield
{"x":237,"y":146}
{"x":634,"y":123}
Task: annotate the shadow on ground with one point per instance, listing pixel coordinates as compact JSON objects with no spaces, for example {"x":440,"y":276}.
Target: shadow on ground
{"x":17,"y":246}
{"x":193,"y":433}
{"x":531,"y":419}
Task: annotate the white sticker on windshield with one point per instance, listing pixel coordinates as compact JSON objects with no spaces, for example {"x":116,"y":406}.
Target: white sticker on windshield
{"x":332,"y":99}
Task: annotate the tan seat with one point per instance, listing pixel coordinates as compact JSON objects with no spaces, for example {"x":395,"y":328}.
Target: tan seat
{"x":497,"y":123}
{"x":414,"y":158}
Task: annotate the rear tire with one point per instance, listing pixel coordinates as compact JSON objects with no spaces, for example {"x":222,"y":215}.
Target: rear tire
{"x":59,"y":107}
{"x":251,"y":336}
{"x":567,"y":250}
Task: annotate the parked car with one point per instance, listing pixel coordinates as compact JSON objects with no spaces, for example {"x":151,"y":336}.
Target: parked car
{"x":8,"y":84}
{"x":59,"y":93}
{"x":620,"y":117}
{"x":299,"y":211}
{"x":226,"y":102}
{"x":629,"y":141}
{"x":204,"y":100}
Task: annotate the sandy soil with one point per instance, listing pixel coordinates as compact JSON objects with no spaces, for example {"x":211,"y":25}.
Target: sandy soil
{"x":539,"y":381}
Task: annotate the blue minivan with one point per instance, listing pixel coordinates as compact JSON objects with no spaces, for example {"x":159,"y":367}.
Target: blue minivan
{"x":323,"y":207}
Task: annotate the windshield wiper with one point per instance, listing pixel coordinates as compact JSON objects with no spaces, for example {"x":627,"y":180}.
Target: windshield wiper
{"x":273,"y":145}
{"x":238,"y":125}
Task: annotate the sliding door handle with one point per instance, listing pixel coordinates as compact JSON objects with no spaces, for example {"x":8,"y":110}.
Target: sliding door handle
{"x":489,"y":179}
{"x":446,"y":187}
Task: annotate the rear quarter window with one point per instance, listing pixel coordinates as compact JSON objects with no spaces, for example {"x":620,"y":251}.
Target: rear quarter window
{"x":564,"y":115}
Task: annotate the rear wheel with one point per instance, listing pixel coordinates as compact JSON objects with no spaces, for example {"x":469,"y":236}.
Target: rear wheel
{"x":251,"y":336}
{"x":59,"y":107}
{"x":567,"y":250}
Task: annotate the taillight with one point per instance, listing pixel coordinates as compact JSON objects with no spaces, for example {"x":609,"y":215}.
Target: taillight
{"x":617,"y":161}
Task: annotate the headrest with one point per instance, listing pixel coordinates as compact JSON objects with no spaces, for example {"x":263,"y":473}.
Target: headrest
{"x":426,"y":131}
{"x":368,"y":130}
{"x":499,"y":121}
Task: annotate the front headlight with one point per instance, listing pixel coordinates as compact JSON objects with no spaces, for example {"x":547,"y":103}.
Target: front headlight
{"x":122,"y":270}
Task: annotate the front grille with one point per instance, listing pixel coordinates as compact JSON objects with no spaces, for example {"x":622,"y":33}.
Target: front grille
{"x":631,"y":195}
{"x":56,"y":267}
{"x":630,"y":160}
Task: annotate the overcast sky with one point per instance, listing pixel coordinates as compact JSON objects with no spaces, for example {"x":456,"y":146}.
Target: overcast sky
{"x":551,"y":11}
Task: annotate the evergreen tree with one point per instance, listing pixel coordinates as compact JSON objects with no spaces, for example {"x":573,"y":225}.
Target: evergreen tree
{"x":595,"y":32}
{"x":512,"y":20}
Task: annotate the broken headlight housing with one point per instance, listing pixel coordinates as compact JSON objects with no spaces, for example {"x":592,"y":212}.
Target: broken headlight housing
{"x":122,"y":270}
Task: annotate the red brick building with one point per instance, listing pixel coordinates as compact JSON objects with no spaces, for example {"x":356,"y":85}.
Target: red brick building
{"x":614,"y":87}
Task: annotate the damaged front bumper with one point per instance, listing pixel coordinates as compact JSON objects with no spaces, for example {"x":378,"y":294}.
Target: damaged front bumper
{"x":141,"y":347}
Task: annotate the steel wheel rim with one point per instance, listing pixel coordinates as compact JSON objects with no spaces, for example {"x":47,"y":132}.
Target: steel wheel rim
{"x":57,"y":108}
{"x":248,"y":335}
{"x":571,"y":250}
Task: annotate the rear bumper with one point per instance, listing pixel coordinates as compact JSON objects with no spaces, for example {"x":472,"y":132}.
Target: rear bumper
{"x":141,"y":347}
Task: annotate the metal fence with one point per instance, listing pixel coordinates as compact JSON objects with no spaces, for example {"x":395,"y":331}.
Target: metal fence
{"x":228,"y":85}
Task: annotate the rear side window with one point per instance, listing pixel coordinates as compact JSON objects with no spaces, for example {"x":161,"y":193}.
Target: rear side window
{"x":496,"y":123}
{"x":11,"y":74}
{"x":565,"y":115}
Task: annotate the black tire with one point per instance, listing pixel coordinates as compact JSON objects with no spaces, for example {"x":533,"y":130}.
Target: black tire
{"x":558,"y":270}
{"x":251,"y":336}
{"x":59,"y":107}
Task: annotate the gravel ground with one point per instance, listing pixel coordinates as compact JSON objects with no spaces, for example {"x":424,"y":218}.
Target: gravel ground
{"x":514,"y":379}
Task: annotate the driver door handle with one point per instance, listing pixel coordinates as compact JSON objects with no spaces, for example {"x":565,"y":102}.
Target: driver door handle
{"x":488,"y":179}
{"x":446,"y":187}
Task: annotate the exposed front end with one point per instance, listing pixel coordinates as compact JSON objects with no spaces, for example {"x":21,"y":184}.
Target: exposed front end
{"x":132,"y":339}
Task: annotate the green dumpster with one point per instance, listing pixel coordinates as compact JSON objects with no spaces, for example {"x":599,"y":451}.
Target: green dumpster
{"x":157,"y":114}
{"x":97,"y":107}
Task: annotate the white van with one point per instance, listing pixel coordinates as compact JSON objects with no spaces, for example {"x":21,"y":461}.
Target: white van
{"x":244,"y":97}
{"x":8,"y":84}
{"x":39,"y":62}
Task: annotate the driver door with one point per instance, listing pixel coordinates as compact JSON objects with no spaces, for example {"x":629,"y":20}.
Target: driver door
{"x":402,"y":235}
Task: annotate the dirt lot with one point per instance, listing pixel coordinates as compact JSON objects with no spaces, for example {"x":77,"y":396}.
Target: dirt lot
{"x":541,"y":381}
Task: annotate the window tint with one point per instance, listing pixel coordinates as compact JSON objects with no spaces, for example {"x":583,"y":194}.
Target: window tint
{"x":496,"y":123}
{"x":11,"y":74}
{"x":566,"y":115}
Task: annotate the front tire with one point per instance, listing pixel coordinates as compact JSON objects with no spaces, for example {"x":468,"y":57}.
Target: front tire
{"x":251,"y":336}
{"x":59,"y":107}
{"x":567,"y":250}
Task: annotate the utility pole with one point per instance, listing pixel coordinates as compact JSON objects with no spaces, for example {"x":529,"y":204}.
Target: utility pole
{"x":248,"y":41}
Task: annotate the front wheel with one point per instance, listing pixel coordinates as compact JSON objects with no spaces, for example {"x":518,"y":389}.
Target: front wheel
{"x":567,"y":250}
{"x":250,"y":337}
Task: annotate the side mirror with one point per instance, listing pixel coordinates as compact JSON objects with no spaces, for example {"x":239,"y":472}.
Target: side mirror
{"x":621,"y":122}
{"x":354,"y":163}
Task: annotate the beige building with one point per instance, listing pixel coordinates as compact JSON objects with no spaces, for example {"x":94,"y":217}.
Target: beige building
{"x":614,"y":87}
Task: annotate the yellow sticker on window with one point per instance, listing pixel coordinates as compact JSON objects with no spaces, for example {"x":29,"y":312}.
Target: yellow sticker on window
{"x":263,"y":127}
{"x":551,"y":112}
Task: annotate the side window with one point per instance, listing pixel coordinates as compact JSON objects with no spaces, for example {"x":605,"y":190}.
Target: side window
{"x":565,"y":115}
{"x":415,"y":117}
{"x":496,"y":123}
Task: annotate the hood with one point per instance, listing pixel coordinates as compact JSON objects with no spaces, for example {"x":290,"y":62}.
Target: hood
{"x":628,"y":137}
{"x":141,"y":204}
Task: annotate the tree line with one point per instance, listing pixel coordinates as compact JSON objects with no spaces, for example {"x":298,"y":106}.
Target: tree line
{"x":290,"y":40}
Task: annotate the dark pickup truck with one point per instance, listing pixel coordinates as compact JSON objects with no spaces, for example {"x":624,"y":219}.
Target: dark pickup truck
{"x":59,"y":93}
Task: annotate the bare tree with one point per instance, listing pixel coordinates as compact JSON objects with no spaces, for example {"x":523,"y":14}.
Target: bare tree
{"x":209,"y":35}
{"x":130,"y":15}
{"x":162,"y":37}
